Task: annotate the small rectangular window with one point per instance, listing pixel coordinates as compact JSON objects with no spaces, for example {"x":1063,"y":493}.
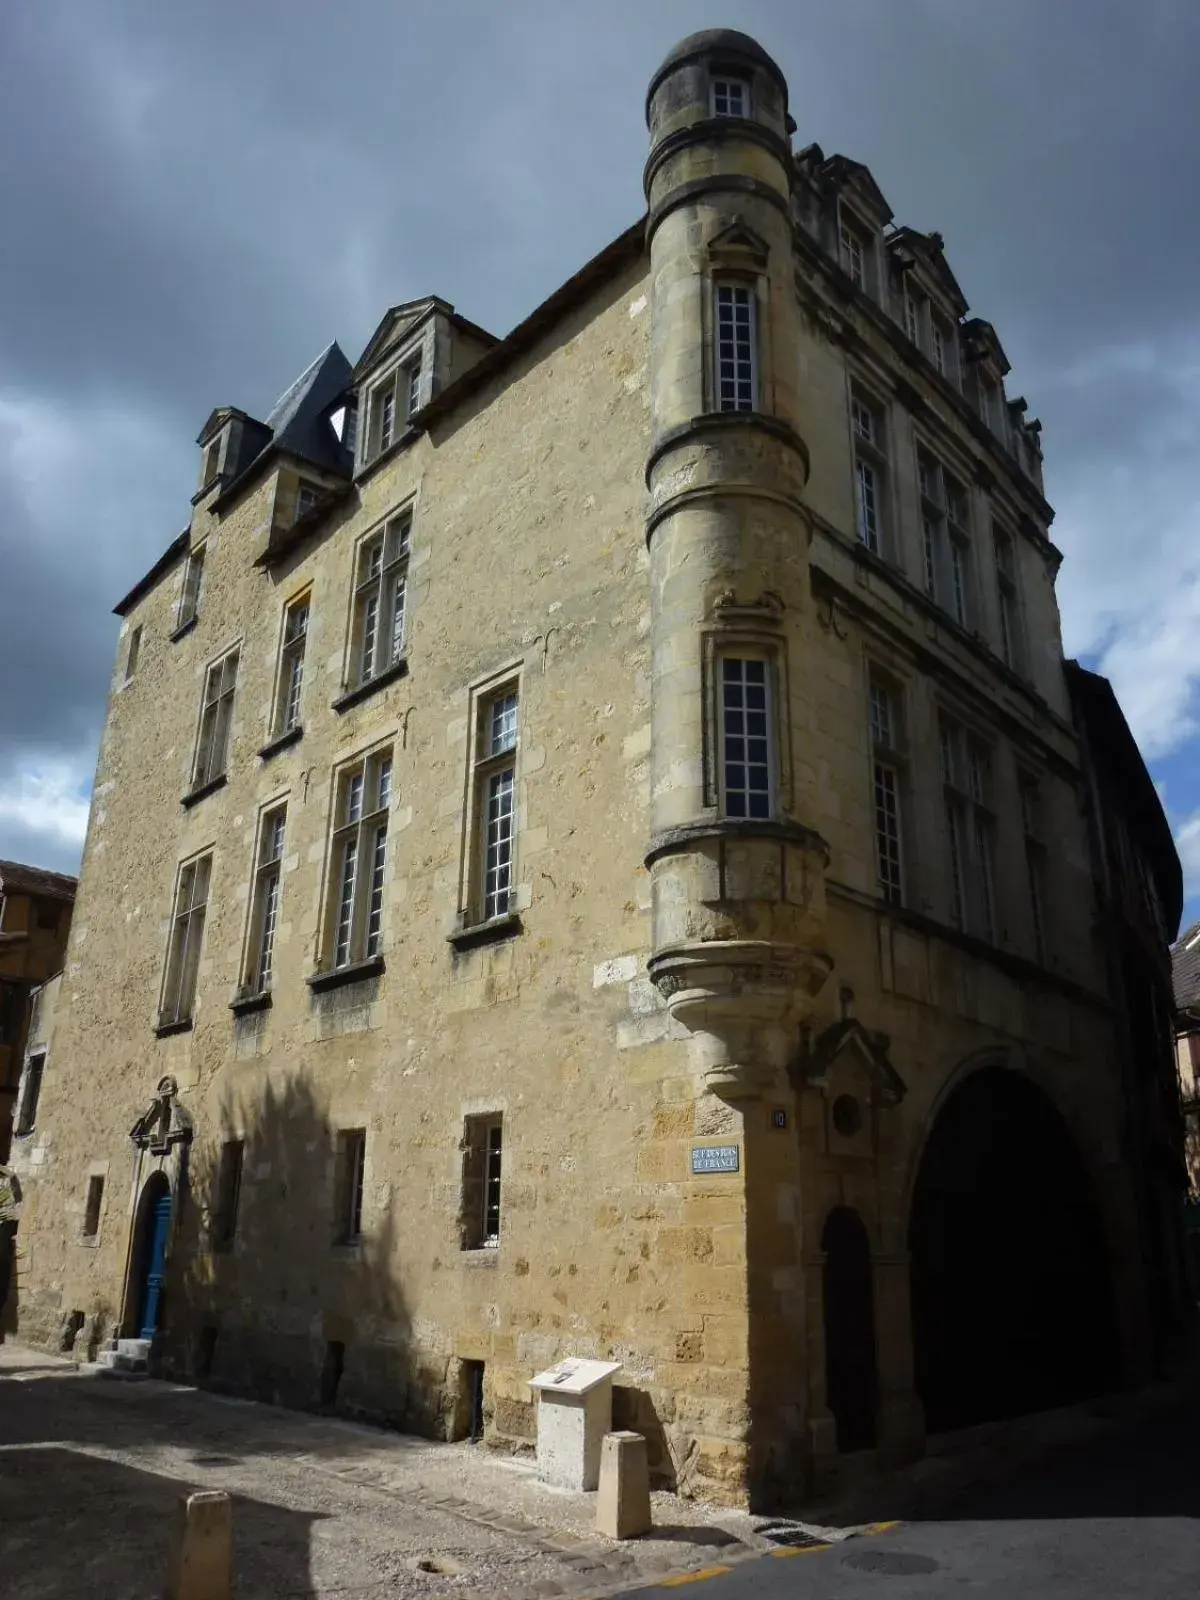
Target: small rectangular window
{"x":291,"y":667}
{"x":737,"y":358}
{"x":884,"y":720}
{"x":132,"y":652}
{"x":193,"y":588}
{"x":358,"y":859}
{"x":307,"y":496}
{"x":186,"y":938}
{"x":351,"y":1168}
{"x":212,"y":457}
{"x":91,"y":1210}
{"x":745,"y":737}
{"x":495,"y":795}
{"x":482,"y":1150}
{"x":730,"y":97}
{"x":381,"y":600}
{"x":228,"y":1191}
{"x":216,"y":717}
{"x":410,"y":377}
{"x":264,"y":906}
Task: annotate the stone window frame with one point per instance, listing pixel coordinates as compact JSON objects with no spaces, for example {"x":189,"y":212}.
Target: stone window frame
{"x":478,"y":767}
{"x":374,"y":753}
{"x":97,"y":1173}
{"x":183,"y":1014}
{"x":354,"y":685}
{"x":29,"y":1093}
{"x":875,"y":454}
{"x":133,"y":650}
{"x":351,"y":1165}
{"x":738,"y":259}
{"x":191,"y":589}
{"x":720,"y":85}
{"x":943,"y":536}
{"x":412,"y":353}
{"x":211,"y":752}
{"x":283,"y":725}
{"x":266,"y":879}
{"x":851,"y":224}
{"x":1010,"y":624}
{"x":970,"y":813}
{"x":753,"y":632}
{"x":893,"y":755}
{"x":482,"y":1138}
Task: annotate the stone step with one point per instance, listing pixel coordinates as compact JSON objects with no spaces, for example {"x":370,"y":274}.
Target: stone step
{"x":127,"y":1357}
{"x":101,"y":1369}
{"x":136,"y":1349}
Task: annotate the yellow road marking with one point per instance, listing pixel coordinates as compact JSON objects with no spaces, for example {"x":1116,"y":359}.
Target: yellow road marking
{"x":882,"y":1527}
{"x":693,"y":1577}
{"x":798,"y":1550}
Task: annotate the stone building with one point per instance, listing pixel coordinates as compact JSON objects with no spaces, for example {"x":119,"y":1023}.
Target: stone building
{"x":588,"y":857}
{"x":35,"y":918}
{"x":1185,"y":972}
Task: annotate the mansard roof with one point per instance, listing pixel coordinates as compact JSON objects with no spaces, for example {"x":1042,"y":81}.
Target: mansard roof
{"x":929,"y":249}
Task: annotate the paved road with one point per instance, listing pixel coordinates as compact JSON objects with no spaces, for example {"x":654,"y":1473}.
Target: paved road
{"x":1114,"y":1518}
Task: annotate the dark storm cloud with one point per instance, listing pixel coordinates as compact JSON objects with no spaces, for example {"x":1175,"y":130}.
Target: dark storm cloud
{"x":196,"y":199}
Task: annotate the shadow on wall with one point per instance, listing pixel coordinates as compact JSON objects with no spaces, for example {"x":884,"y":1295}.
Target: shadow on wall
{"x":284,"y":1279}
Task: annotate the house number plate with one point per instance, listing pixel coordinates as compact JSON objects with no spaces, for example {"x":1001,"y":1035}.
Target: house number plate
{"x":715,"y":1158}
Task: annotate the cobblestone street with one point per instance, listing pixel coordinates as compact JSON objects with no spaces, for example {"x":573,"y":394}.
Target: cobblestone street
{"x":90,"y":1471}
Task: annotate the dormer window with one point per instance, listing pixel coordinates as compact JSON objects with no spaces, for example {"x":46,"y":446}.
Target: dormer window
{"x":730,"y":97}
{"x":391,"y":403}
{"x":307,"y":496}
{"x":912,"y":315}
{"x":350,"y":427}
{"x":212,"y":460}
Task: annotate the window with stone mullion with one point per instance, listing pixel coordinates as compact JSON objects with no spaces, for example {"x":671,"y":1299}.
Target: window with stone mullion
{"x":381,"y":597}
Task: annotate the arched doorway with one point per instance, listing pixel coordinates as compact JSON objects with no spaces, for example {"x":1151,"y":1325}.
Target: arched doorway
{"x":1011,"y":1304}
{"x":851,"y":1386}
{"x":153,"y":1227}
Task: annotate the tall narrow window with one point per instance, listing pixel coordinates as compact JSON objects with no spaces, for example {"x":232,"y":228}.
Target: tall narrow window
{"x":91,"y":1208}
{"x":291,"y":667}
{"x":912,"y":316}
{"x":957,"y":515}
{"x":937,"y":344}
{"x":212,"y":457}
{"x":945,"y":537}
{"x":870,"y":471}
{"x":350,"y":426}
{"x":31,"y":1093}
{"x":480,"y":1215}
{"x":264,"y":909}
{"x":737,"y":358}
{"x":216,"y":715}
{"x":885,"y":743}
{"x":193,"y":588}
{"x":495,"y":802}
{"x":134,"y":650}
{"x":1034,"y":862}
{"x":229,"y":1192}
{"x":744,"y":737}
{"x":380,"y":600}
{"x":966,"y":775}
{"x":307,"y":495}
{"x":359,"y":859}
{"x":351,"y":1169}
{"x":1007,"y":597}
{"x":411,"y":379}
{"x":187,"y":936}
{"x":730,"y":97}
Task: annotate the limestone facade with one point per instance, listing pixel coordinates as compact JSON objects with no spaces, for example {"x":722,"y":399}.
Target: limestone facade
{"x":464,"y":1122}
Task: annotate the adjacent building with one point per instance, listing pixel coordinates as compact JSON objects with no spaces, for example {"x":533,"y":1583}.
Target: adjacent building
{"x":35,"y":918}
{"x":590,"y":855}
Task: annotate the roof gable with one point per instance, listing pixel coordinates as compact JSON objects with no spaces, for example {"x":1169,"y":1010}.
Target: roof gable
{"x":929,"y":250}
{"x":397,"y":322}
{"x":854,"y":180}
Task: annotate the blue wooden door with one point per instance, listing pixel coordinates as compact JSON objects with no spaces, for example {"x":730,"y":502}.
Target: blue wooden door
{"x":156,"y":1255}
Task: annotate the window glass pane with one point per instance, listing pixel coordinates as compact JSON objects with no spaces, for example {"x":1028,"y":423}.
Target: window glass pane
{"x":503,"y":734}
{"x":735,"y":348}
{"x":887,"y":832}
{"x":746,"y":736}
{"x":498,"y":839}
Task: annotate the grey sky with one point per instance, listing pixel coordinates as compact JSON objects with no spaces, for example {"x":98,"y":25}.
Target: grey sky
{"x":196,"y":199}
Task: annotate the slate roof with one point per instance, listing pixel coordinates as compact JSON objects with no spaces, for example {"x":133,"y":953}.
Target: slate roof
{"x":1185,"y":968}
{"x":15,"y":878}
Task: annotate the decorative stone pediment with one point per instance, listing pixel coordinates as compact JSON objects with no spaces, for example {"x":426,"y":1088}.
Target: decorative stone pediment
{"x":848,"y":1039}
{"x":738,"y":248}
{"x":164,"y":1123}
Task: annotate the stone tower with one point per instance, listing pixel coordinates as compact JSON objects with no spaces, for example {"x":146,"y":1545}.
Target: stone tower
{"x":737,"y":868}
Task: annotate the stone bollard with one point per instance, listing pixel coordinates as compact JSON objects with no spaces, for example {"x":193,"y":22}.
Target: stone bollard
{"x":202,"y":1555}
{"x":623,"y":1505}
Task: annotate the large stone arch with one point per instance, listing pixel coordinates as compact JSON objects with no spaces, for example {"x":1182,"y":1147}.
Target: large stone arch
{"x":1011,"y":1276}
